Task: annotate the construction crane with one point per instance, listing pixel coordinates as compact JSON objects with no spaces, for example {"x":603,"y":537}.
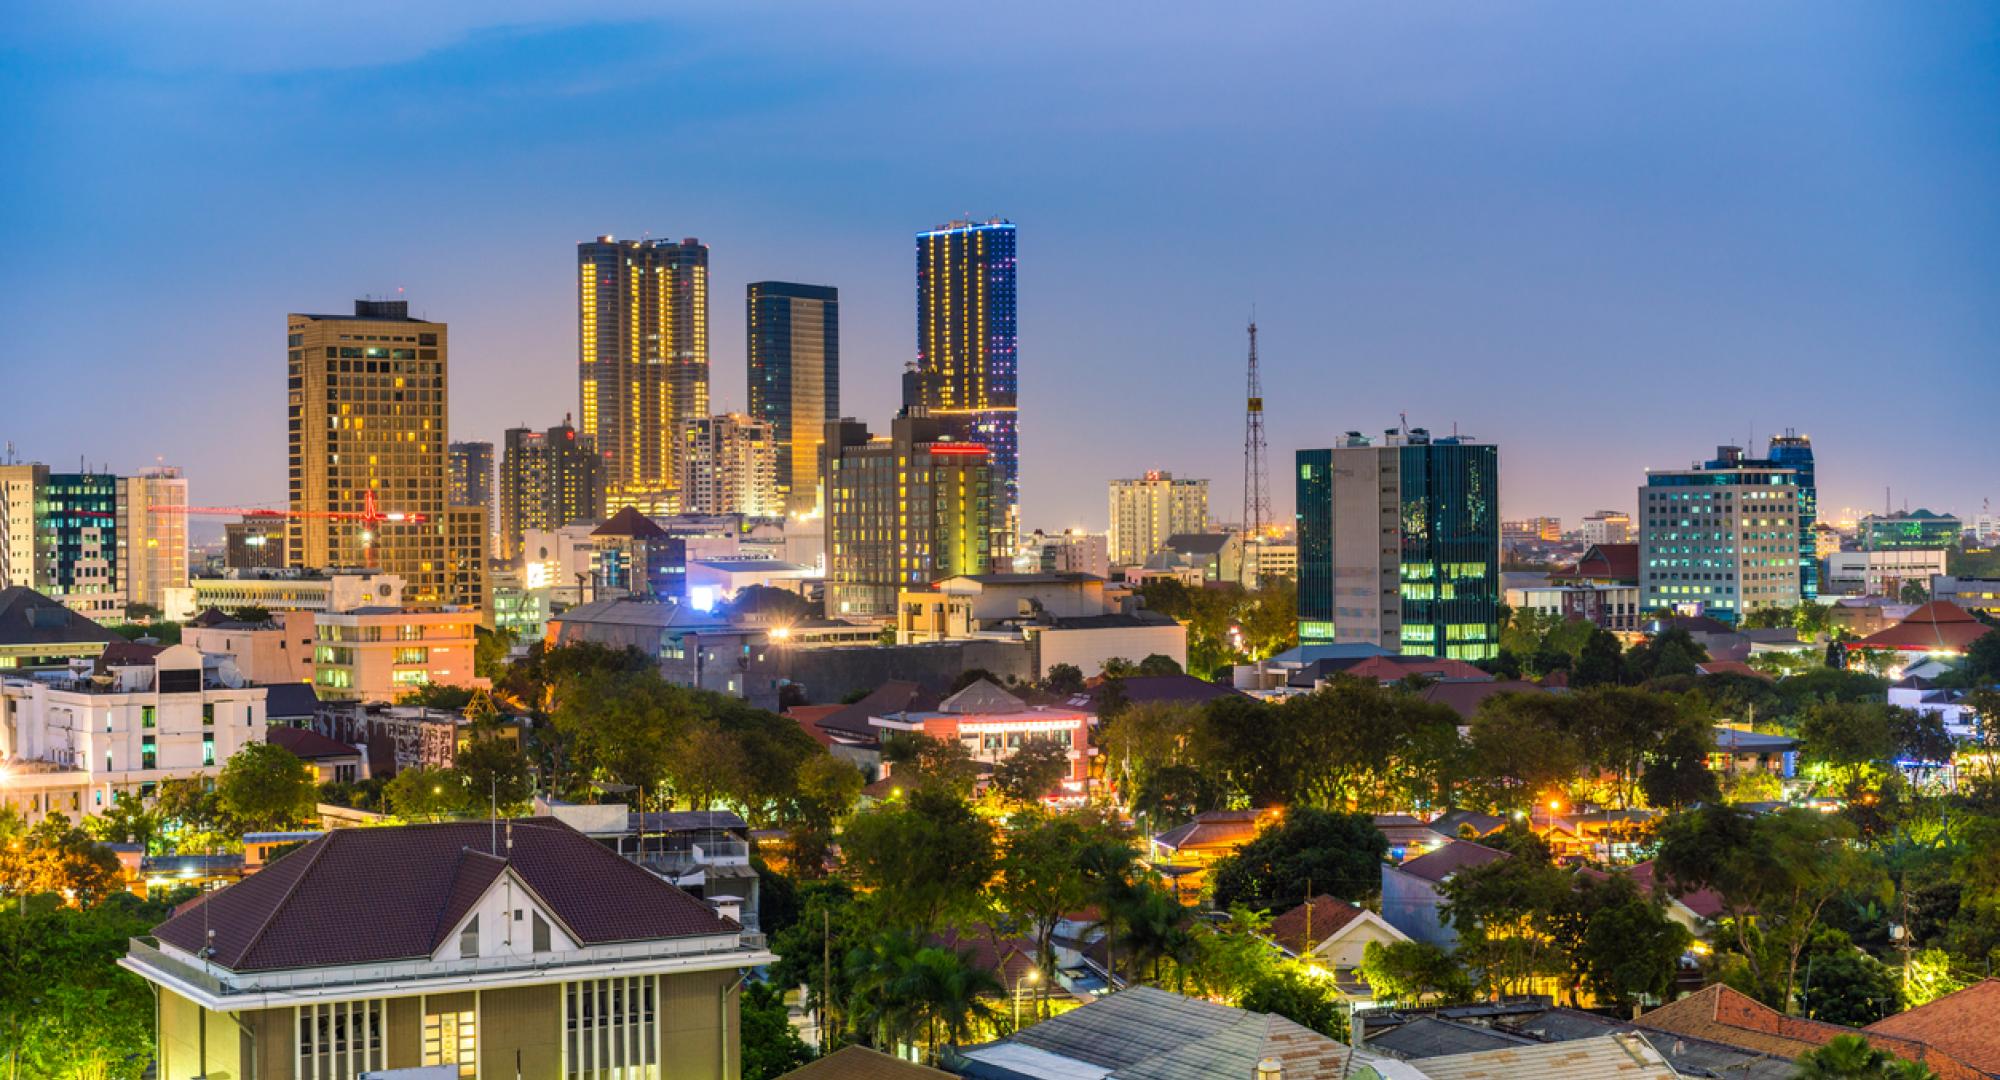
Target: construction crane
{"x":370,"y":516}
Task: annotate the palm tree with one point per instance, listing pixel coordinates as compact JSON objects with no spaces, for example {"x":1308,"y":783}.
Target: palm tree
{"x":875,"y":1006}
{"x":1107,"y":867}
{"x":1155,"y":928}
{"x":907,"y":994}
{"x":1849,"y":1057}
{"x":950,"y":992}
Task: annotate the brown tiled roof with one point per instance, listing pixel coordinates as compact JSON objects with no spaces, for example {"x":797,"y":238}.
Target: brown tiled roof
{"x":629,"y":522}
{"x":29,"y":618}
{"x":1706,"y":903}
{"x":861,"y":1063}
{"x":1604,"y":562}
{"x":1720,"y":1014}
{"x":1011,"y":960}
{"x":1214,"y":828}
{"x":1965,"y":1025}
{"x":1327,"y":917}
{"x":1729,"y":667}
{"x":809,"y":716}
{"x":1939,"y":624}
{"x":1464,"y":698}
{"x":1393,"y":668}
{"x":1450,"y":859}
{"x":357,"y":896}
{"x":309,"y":745}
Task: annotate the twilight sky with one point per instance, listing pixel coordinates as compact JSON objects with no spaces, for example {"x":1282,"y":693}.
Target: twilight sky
{"x":1605,"y":236}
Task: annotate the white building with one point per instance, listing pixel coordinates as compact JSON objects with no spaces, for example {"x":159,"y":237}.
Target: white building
{"x":72,"y":742}
{"x":729,"y":465}
{"x":1269,"y":559}
{"x":1071,"y":551}
{"x":284,"y":590}
{"x":1145,"y":511}
{"x":1719,"y":539}
{"x":1606,"y":527}
{"x":1882,"y":572}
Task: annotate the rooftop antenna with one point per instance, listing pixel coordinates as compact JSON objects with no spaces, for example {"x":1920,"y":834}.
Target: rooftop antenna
{"x":1256,"y":498}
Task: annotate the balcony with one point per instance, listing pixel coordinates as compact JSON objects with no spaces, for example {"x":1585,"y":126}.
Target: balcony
{"x":677,"y":857}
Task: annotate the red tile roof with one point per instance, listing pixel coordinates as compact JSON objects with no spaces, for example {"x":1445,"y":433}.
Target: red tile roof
{"x":1324,"y":914}
{"x":1604,"y":562}
{"x":1720,"y":1014}
{"x":1938,"y":625}
{"x":357,"y":896}
{"x":1706,"y":903}
{"x":1388,"y":669}
{"x":1464,"y":698}
{"x":1962,"y":1024}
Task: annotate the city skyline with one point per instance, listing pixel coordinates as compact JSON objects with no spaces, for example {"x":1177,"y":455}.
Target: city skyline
{"x":1455,"y":257}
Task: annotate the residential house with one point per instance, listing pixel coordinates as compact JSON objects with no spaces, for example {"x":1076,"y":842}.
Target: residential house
{"x":1720,"y":1014}
{"x":1740,"y":751}
{"x":332,"y":762}
{"x":1332,"y":935}
{"x":524,"y":949}
{"x":993,"y":725}
{"x":1186,"y":852}
{"x":1413,"y":892}
{"x":37,"y":631}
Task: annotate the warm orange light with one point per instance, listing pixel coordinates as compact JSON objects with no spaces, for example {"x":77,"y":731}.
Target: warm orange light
{"x":1555,"y":806}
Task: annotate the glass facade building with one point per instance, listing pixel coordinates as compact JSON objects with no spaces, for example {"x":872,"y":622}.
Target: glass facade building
{"x":1914,"y":530}
{"x":1794,"y":451}
{"x":794,"y":359}
{"x":1399,"y":544}
{"x":966,"y":368}
{"x":642,"y":351}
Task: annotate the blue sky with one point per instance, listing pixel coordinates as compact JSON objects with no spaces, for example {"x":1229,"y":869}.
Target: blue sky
{"x":1604,"y":236}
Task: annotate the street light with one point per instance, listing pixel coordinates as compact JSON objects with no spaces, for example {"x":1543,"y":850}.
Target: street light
{"x":1034,"y":975}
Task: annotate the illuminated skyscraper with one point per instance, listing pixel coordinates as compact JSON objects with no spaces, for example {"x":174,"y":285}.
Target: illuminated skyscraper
{"x":642,"y":350}
{"x":730,"y":466}
{"x":471,"y":472}
{"x":794,"y":356}
{"x":1720,"y":539}
{"x":369,"y":484}
{"x":901,"y":512}
{"x":966,"y":370}
{"x":1794,"y":451}
{"x":548,"y":479}
{"x":1399,"y":544}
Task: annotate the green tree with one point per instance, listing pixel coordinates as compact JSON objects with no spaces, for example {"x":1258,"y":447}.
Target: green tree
{"x":1311,"y":852}
{"x":1622,"y":945}
{"x":1677,"y":773}
{"x":931,"y":996}
{"x":1524,"y":746}
{"x":128,"y":821}
{"x":1601,"y":661}
{"x":1308,"y":1002}
{"x":57,"y":857}
{"x":494,"y":771}
{"x":1224,"y":960}
{"x":812,"y":948}
{"x":263,"y":787}
{"x":1158,"y":664}
{"x":432,"y":695}
{"x":420,"y":794}
{"x":1414,"y":973}
{"x":1063,"y":679}
{"x":490,"y":649}
{"x":1669,"y":652}
{"x":1039,"y":881}
{"x":1508,"y":915}
{"x":827,"y":789}
{"x":619,"y":725}
{"x":1845,"y":985}
{"x":771,"y":1047}
{"x":919,"y":761}
{"x":1032,"y":771}
{"x":925,"y":858}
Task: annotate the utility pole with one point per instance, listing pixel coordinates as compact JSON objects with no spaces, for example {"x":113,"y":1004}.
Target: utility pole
{"x":826,"y":980}
{"x":1256,"y":496}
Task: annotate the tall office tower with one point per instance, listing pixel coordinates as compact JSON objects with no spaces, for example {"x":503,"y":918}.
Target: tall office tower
{"x":1794,"y":451}
{"x":368,"y":433}
{"x":470,"y":470}
{"x":253,"y":543}
{"x":1145,"y":511}
{"x":1399,"y":544}
{"x":903,"y":511}
{"x":79,"y":515}
{"x":642,"y":349}
{"x":966,"y":371}
{"x":548,"y":479}
{"x":153,"y":534}
{"x":729,"y":465}
{"x":1719,"y":539}
{"x":794,"y":356}
{"x":24,"y":548}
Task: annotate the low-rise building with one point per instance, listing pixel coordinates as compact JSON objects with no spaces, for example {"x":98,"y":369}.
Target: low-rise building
{"x":38,"y":631}
{"x":1970,"y":593}
{"x":1882,"y":572}
{"x":398,"y":737}
{"x":1413,"y":892}
{"x":71,"y":743}
{"x":1332,"y":935}
{"x":522,"y":948}
{"x":284,"y":590}
{"x":1185,"y":853}
{"x":1067,"y":619}
{"x":277,"y":650}
{"x":382,"y":653}
{"x":993,"y":725}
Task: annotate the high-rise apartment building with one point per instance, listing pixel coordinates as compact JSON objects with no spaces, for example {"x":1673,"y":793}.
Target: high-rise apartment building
{"x":966,"y":371}
{"x":368,"y":430}
{"x":548,"y":479}
{"x":794,"y":355}
{"x":153,"y":535}
{"x":1147,"y":510}
{"x":470,"y":474}
{"x":904,"y":511}
{"x":253,"y":544}
{"x":79,"y":522}
{"x":24,"y":547}
{"x":1719,"y":539}
{"x":729,"y":465}
{"x":1399,"y":544}
{"x":642,"y":349}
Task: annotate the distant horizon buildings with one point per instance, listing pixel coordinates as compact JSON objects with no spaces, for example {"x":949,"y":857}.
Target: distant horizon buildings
{"x":1147,"y":509}
{"x":794,"y":378}
{"x":966,"y":371}
{"x":1721,"y":538}
{"x":729,"y":465}
{"x":1399,"y":544}
{"x":470,"y":472}
{"x":548,"y":479}
{"x":642,"y":362}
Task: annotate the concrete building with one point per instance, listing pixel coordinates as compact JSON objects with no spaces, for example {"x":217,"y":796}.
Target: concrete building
{"x":286,"y":590}
{"x":254,"y":544}
{"x":382,"y":653}
{"x":74,"y":741}
{"x":38,"y":632}
{"x":1531,"y":530}
{"x":1606,"y":527}
{"x":905,"y":511}
{"x":526,"y":948}
{"x":1148,"y":509}
{"x":1071,"y":551}
{"x":642,"y":349}
{"x":993,"y":725}
{"x":1399,"y":544}
{"x":729,"y":465}
{"x":153,"y":534}
{"x":1613,"y":607}
{"x":1882,"y":571}
{"x":1065,"y":618}
{"x":1719,"y":539}
{"x":368,"y":430}
{"x":548,"y":479}
{"x":1972,"y":594}
{"x":470,"y":474}
{"x":1269,"y":560}
{"x":1918,"y":529}
{"x":794,"y":369}
{"x":1215,"y":556}
{"x":276,"y":650}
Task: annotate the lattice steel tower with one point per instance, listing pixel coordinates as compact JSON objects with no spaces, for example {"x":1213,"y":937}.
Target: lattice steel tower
{"x":1256,"y":495}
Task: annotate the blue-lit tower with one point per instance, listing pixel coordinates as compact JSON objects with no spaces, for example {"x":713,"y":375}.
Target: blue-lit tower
{"x":966,"y":368}
{"x":1794,"y":451}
